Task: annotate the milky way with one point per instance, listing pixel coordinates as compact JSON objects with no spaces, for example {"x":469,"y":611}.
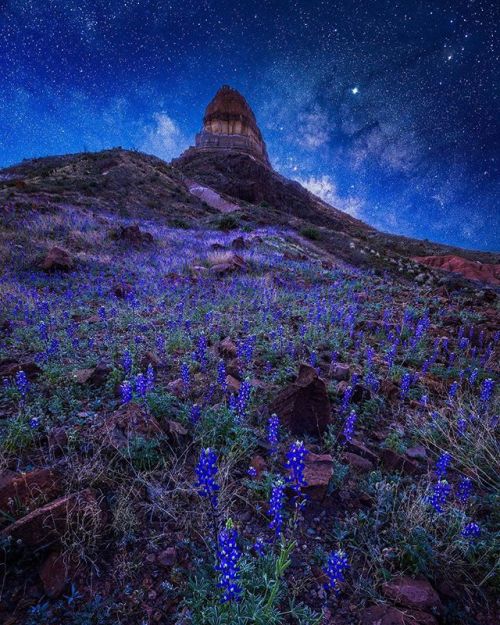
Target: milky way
{"x":387,"y":109}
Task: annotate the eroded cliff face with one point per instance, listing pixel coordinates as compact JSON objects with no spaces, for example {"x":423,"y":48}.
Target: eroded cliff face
{"x":229,"y":124}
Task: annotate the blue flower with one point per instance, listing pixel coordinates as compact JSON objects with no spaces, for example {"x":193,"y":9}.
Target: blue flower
{"x":471,"y":530}
{"x":126,"y":391}
{"x":221,"y":375}
{"x":350,"y":422}
{"x":442,"y":464}
{"x":206,"y":470}
{"x":195,"y":414}
{"x":272,"y":433}
{"x":464,"y":489}
{"x":487,"y":390}
{"x":228,"y":556}
{"x":276,"y":507}
{"x":295,"y":464}
{"x":440,"y":495}
{"x":127,"y":362}
{"x":335,"y":569}
{"x":22,"y":383}
{"x":405,"y":385}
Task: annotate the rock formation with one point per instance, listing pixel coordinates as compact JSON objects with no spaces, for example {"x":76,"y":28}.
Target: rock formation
{"x":229,"y":124}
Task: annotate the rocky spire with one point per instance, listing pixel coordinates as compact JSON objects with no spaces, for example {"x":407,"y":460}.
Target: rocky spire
{"x":229,"y":124}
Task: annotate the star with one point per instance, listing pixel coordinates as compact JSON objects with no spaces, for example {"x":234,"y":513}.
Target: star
{"x":355,"y":90}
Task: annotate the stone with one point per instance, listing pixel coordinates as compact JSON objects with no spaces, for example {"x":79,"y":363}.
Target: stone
{"x":229,"y":125}
{"x":418,"y":452}
{"x":232,"y":383}
{"x":340,"y":372}
{"x":25,"y":488}
{"x":389,"y":615}
{"x":318,"y":471}
{"x":128,"y":422}
{"x":227,"y":348}
{"x":356,"y":446}
{"x":92,"y":377}
{"x":303,"y":406}
{"x":168,"y":557}
{"x":150,"y":358}
{"x":122,"y":290}
{"x":238,"y":243}
{"x":357,"y":462}
{"x":9,"y":367}
{"x":57,"y":259}
{"x":132,"y":234}
{"x":47,"y":524}
{"x":412,"y":593}
{"x":54,"y":575}
{"x":469,"y":269}
{"x":259,"y":464}
{"x":397,"y":462}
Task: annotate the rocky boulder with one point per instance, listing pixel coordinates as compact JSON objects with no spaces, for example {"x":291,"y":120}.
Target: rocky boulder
{"x":303,"y":406}
{"x":57,"y":259}
{"x":470,"y":269}
{"x":412,"y":593}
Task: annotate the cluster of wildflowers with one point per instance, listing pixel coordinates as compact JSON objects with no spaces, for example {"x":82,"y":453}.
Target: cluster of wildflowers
{"x":486,"y":390}
{"x":442,"y":465}
{"x":185,"y":376}
{"x":464,"y":490}
{"x":295,"y":465}
{"x":195,"y":414}
{"x":221,"y":375}
{"x":22,"y":384}
{"x":239,"y":403}
{"x":127,"y":362}
{"x":150,"y":378}
{"x":405,"y":385}
{"x":440,"y":495}
{"x":349,"y":426}
{"x":335,"y":570}
{"x":471,"y":530}
{"x":140,"y":385}
{"x":228,"y":556}
{"x":453,"y":391}
{"x":347,"y":398}
{"x":276,"y":507}
{"x":201,"y":351}
{"x":206,"y":471}
{"x":272,"y":433}
{"x":126,"y":391}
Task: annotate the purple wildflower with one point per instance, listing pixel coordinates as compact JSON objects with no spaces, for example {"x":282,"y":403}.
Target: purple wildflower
{"x":272,"y":433}
{"x":185,"y":376}
{"x":228,"y":556}
{"x":295,"y":464}
{"x":405,"y":385}
{"x":22,"y":383}
{"x":440,"y":495}
{"x":442,"y":465}
{"x":464,"y":489}
{"x":276,"y":507}
{"x":335,"y":569}
{"x":140,"y":384}
{"x":221,"y":375}
{"x":195,"y":414}
{"x":126,"y":391}
{"x":486,"y":390}
{"x":206,"y":470}
{"x":471,"y":530}
{"x":127,"y":362}
{"x":349,"y":425}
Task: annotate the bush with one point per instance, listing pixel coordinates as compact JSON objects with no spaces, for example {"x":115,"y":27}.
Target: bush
{"x":311,"y":233}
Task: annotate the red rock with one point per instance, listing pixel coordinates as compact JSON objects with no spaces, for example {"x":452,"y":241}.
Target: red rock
{"x":96,"y":376}
{"x":132,"y":234}
{"x":25,"y":488}
{"x":412,"y":593}
{"x":57,"y":259}
{"x":303,"y":406}
{"x":233,"y":384}
{"x":168,"y":557}
{"x":54,"y":575}
{"x":259,"y":464}
{"x":317,"y":474}
{"x":357,"y":447}
{"x":357,"y":462}
{"x":228,"y":348}
{"x":9,"y":367}
{"x":470,"y":269}
{"x":176,"y":387}
{"x":340,"y":372}
{"x":389,"y":390}
{"x":150,"y":358}
{"x":238,"y":243}
{"x":47,"y":524}
{"x":127,"y":422}
{"x":388,"y":615}
{"x":396,"y":462}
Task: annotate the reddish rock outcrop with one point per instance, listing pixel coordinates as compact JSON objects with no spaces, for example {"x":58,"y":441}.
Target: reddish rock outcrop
{"x":132,"y":234}
{"x":412,"y":593}
{"x":57,"y":259}
{"x":25,"y":488}
{"x":317,"y":474}
{"x":470,"y":269}
{"x":303,"y":406}
{"x":9,"y":367}
{"x":54,"y":574}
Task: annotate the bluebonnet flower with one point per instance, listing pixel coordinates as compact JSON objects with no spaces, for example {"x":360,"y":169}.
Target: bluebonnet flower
{"x":276,"y":507}
{"x":464,"y":489}
{"x":206,"y":470}
{"x":453,"y":391}
{"x":259,"y":547}
{"x":335,"y":569}
{"x":127,"y":362}
{"x":486,"y":390}
{"x":102,"y":313}
{"x":150,"y":378}
{"x":473,"y":376}
{"x":461,"y":426}
{"x":22,"y":383}
{"x":185,"y":376}
{"x":221,"y":375}
{"x":272,"y":433}
{"x":228,"y":556}
{"x":252,"y":472}
{"x":195,"y":414}
{"x":346,"y":398}
{"x":313,"y":359}
{"x":405,"y":385}
{"x":391,"y":355}
{"x":34,"y":423}
{"x":371,"y":381}
{"x":442,"y":464}
{"x":240,"y":403}
{"x":42,"y":331}
{"x":160,"y":344}
{"x":140,"y":384}
{"x":295,"y":464}
{"x":53,"y":348}
{"x":349,"y":425}
{"x":440,"y":495}
{"x":471,"y":530}
{"x":126,"y":391}
{"x":201,"y":351}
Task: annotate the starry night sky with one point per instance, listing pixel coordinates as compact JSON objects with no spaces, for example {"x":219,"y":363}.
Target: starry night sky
{"x":386,"y":108}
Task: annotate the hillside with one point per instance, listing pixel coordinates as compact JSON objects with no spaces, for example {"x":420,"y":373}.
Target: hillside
{"x":203,"y":367}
